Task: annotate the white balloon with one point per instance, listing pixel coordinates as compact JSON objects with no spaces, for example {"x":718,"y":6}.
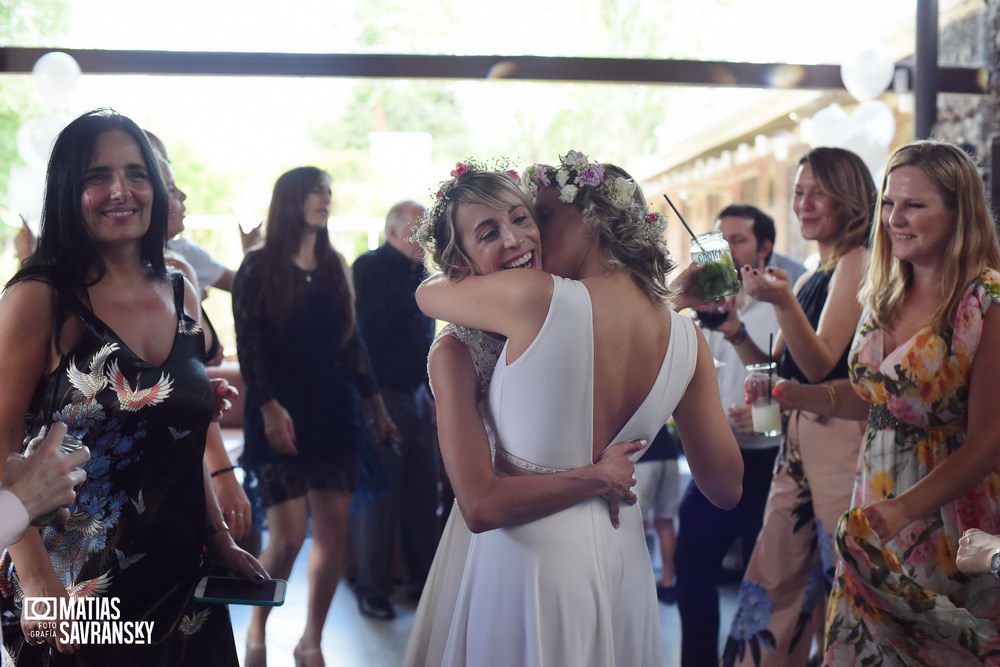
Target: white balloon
{"x":868,"y":73}
{"x":829,"y":126}
{"x":25,"y":192}
{"x":876,"y":120}
{"x":872,"y":153}
{"x":56,"y":74}
{"x":36,"y":136}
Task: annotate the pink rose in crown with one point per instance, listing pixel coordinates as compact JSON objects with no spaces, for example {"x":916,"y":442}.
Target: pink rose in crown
{"x":439,"y":194}
{"x":541,"y":173}
{"x":650,"y":217}
{"x":592,"y":174}
{"x":513,"y":174}
{"x":460,"y":168}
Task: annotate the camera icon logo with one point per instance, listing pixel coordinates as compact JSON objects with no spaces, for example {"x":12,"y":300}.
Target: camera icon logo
{"x":39,"y":609}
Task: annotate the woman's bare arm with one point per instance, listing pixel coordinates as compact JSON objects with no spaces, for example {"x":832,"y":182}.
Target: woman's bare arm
{"x":486,"y":500}
{"x":514,"y":302}
{"x":816,"y":352}
{"x":843,"y":402}
{"x":26,"y":327}
{"x":709,"y":445}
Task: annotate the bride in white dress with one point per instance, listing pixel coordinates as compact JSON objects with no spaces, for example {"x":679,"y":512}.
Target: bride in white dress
{"x":587,"y":362}
{"x":485,"y":225}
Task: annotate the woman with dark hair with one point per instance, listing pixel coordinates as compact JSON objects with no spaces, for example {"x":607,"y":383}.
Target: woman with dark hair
{"x":109,"y":343}
{"x":791,"y":570}
{"x":305,"y":367}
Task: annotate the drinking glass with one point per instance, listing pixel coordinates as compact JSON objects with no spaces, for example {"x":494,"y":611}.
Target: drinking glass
{"x":764,"y":409}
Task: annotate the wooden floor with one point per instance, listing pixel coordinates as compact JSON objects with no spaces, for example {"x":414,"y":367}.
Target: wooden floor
{"x":353,"y":640}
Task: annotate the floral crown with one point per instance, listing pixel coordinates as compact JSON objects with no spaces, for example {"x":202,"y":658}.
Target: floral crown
{"x":442,"y":197}
{"x":578,"y":179}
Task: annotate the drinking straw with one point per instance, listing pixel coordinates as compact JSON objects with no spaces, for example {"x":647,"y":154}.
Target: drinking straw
{"x":683,"y":221}
{"x":770,"y":367}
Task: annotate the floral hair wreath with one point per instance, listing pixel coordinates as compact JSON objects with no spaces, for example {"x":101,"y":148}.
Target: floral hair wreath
{"x":442,"y":197}
{"x":578,"y":178}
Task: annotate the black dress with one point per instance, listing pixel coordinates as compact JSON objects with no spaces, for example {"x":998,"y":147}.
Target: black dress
{"x":316,"y":377}
{"x":136,"y":529}
{"x":812,"y":299}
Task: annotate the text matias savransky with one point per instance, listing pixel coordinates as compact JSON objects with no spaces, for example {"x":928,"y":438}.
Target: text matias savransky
{"x":84,"y":621}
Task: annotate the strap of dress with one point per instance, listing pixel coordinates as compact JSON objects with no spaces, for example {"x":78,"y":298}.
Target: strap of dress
{"x":177,"y":279}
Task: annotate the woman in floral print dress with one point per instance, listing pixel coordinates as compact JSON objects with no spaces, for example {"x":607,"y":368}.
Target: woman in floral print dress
{"x":107,"y":342}
{"x":924,"y":365}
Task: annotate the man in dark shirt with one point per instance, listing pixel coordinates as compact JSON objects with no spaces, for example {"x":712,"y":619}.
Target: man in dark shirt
{"x":398,"y":337}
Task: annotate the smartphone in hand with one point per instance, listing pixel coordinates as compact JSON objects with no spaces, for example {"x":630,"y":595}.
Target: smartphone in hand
{"x":237,"y":590}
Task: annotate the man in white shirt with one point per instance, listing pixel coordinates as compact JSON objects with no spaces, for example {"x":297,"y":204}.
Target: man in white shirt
{"x":707,"y":532}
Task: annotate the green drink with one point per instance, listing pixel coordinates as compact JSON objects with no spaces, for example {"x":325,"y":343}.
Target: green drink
{"x":718,"y":278}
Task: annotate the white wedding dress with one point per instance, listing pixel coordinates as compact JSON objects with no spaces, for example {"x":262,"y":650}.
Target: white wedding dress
{"x":425,"y":646}
{"x":568,"y":589}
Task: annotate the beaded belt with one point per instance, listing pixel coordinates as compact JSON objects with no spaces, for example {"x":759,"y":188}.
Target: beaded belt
{"x":508,"y":463}
{"x":880,"y":418}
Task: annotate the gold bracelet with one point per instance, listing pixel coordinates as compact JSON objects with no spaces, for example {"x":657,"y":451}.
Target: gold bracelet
{"x":833,"y":398}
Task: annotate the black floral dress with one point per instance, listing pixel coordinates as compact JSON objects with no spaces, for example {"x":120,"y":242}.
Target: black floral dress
{"x":136,"y":530}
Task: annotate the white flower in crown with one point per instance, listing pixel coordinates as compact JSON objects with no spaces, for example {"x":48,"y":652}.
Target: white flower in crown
{"x":528,"y":182}
{"x":576,"y":160}
{"x":621,"y":191}
{"x":562,"y":177}
{"x":568,"y":193}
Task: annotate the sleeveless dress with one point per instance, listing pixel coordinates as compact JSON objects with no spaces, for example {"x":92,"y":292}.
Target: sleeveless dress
{"x":790,"y":573}
{"x":567,"y":589}
{"x":425,"y":646}
{"x":136,"y":529}
{"x":905,"y":602}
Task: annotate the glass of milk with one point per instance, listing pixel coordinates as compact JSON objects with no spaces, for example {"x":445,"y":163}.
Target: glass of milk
{"x":764,"y":408}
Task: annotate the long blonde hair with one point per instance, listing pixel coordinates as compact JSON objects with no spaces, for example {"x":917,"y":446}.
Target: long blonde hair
{"x":625,"y":239}
{"x":971,"y":249}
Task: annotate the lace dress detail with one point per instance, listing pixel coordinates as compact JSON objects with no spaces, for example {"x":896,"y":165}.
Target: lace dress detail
{"x":483,"y":348}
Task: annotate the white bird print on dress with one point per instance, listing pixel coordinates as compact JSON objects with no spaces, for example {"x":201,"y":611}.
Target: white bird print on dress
{"x":94,"y":586}
{"x":94,"y":380}
{"x":134,"y":400}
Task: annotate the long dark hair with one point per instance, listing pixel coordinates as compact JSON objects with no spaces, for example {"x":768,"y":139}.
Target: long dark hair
{"x":66,"y":256}
{"x":286,"y":223}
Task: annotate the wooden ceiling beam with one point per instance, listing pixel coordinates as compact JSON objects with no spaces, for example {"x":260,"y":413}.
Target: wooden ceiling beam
{"x":520,"y":68}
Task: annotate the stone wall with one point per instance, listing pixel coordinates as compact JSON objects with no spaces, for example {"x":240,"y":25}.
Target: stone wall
{"x":968,"y":119}
{"x":974,"y":41}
